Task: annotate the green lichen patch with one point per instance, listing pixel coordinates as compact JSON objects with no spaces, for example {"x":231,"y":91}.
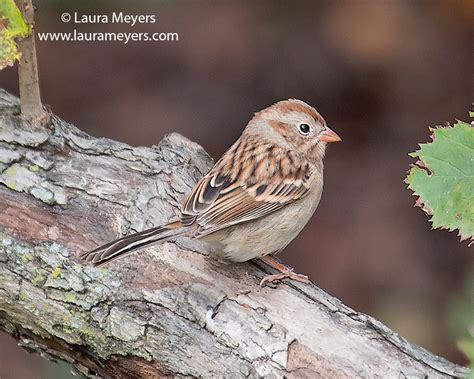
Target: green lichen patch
{"x":92,"y":335}
{"x":26,"y":258}
{"x":21,"y":177}
{"x":65,"y":280}
{"x":23,"y":256}
{"x":11,"y":185}
{"x":29,"y":180}
{"x":84,"y":300}
{"x":40,"y":278}
{"x":34,"y":168}
{"x":56,"y":272}
{"x":10,"y":172}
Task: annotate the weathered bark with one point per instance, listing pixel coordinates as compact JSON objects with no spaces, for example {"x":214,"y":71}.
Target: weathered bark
{"x":168,"y":311}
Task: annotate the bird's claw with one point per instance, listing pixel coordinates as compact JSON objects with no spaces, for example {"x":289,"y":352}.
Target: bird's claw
{"x":284,"y":275}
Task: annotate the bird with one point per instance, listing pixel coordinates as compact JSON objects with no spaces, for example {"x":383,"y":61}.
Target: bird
{"x":256,"y":198}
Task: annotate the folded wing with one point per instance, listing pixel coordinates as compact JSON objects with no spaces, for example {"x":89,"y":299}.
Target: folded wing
{"x":250,"y":181}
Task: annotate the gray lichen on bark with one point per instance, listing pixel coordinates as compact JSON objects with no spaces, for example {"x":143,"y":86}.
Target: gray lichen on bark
{"x":171,"y":310}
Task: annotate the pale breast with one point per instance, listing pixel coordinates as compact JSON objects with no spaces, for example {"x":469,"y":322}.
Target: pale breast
{"x":269,"y":234}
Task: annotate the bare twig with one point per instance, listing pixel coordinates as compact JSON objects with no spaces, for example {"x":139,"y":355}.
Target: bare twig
{"x":31,"y":107}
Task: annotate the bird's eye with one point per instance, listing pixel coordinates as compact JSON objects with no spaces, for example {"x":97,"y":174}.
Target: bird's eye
{"x":304,"y":128}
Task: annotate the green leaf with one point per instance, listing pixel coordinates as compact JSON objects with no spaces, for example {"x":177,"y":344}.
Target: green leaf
{"x":466,"y":345}
{"x":443,"y":178}
{"x":461,"y":318}
{"x":12,"y":25}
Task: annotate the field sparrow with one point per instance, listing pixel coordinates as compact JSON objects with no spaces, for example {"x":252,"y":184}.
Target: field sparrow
{"x":256,"y":198}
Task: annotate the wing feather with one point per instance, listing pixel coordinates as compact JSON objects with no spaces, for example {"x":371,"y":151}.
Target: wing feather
{"x":233,"y":193}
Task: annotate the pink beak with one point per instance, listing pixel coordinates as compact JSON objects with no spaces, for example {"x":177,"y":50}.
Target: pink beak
{"x":329,"y":136}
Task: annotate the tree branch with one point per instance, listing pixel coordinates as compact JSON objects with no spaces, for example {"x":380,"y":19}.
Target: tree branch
{"x":170,"y":311}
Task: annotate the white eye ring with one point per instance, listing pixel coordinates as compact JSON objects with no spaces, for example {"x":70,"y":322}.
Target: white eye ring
{"x":304,"y":128}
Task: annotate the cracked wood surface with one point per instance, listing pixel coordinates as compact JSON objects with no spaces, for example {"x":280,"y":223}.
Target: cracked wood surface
{"x":170,"y":310}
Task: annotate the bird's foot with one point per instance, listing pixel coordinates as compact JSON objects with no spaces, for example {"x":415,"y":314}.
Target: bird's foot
{"x":284,"y":275}
{"x":285,"y":272}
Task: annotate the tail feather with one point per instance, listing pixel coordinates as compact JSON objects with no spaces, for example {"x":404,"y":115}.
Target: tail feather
{"x":132,"y":243}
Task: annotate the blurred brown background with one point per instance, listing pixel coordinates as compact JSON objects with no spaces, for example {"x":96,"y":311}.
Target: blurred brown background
{"x":380,"y":72}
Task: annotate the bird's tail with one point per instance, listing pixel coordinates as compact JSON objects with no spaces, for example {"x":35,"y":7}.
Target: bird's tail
{"x":132,"y":243}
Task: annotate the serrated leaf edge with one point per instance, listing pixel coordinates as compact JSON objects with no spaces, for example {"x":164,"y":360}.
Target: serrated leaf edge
{"x":413,"y":166}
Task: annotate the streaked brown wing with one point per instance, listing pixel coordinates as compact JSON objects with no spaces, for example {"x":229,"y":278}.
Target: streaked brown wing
{"x":250,"y":181}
